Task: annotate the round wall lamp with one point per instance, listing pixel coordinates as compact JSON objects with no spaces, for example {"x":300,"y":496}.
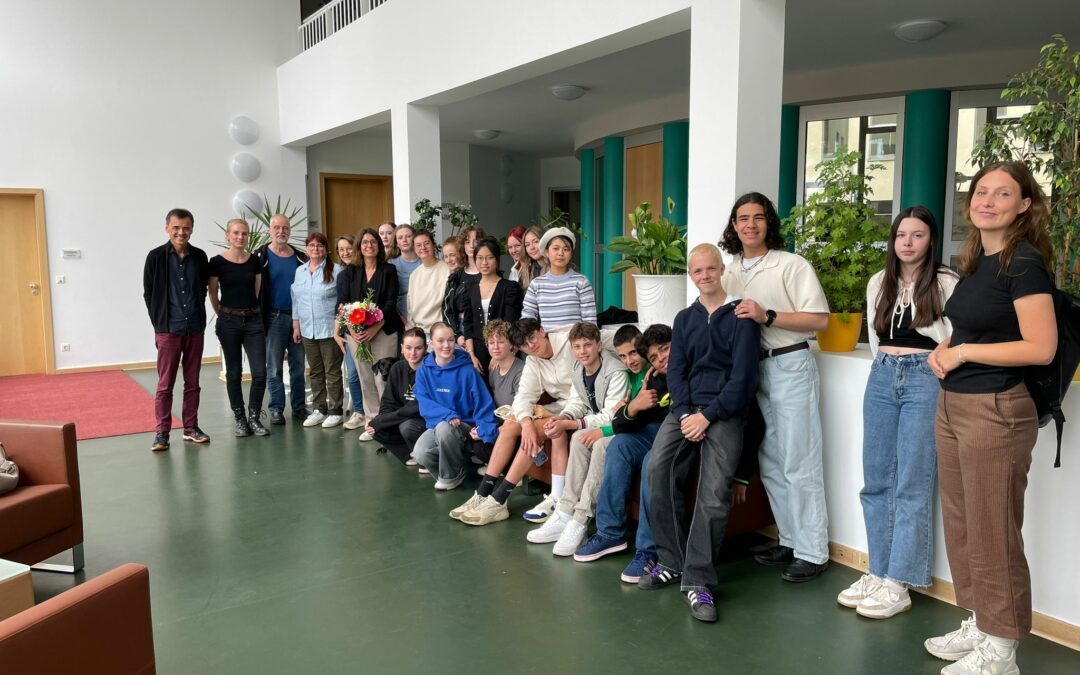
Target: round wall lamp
{"x":243,"y":130}
{"x":920,"y":31}
{"x":246,"y":202}
{"x":485,"y":134}
{"x":245,"y":167}
{"x":567,"y":92}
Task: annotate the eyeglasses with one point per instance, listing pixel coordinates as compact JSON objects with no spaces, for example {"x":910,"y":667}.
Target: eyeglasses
{"x":368,"y":242}
{"x":422,"y":244}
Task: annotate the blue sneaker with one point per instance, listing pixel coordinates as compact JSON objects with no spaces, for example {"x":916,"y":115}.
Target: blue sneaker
{"x":636,"y":569}
{"x":597,"y":547}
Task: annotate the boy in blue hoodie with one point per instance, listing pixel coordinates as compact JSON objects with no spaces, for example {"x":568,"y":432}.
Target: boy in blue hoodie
{"x":456,"y":407}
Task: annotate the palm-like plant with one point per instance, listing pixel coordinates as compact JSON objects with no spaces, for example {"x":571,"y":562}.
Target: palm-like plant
{"x":654,"y":247}
{"x":259,"y":222}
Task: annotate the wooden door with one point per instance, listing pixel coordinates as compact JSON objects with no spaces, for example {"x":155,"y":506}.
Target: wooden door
{"x":353,"y":201}
{"x":25,"y":313}
{"x":644,"y":183}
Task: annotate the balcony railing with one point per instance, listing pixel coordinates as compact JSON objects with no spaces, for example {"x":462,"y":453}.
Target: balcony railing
{"x":332,"y":18}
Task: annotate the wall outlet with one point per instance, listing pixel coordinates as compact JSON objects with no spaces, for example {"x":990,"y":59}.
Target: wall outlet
{"x":61,"y":279}
{"x":65,"y":346}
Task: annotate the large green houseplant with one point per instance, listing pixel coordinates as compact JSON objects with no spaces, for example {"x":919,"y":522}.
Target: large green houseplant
{"x":838,"y":233}
{"x":656,"y":248}
{"x":1047,"y":139}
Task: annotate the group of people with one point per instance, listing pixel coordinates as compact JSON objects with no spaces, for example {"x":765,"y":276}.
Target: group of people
{"x":730,"y":390}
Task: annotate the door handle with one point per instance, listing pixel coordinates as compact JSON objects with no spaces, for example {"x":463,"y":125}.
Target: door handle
{"x":33,"y":286}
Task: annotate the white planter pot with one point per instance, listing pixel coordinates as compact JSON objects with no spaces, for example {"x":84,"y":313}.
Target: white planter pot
{"x":659,"y":297}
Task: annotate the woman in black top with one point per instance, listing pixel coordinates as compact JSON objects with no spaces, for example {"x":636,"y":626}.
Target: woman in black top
{"x":1002,"y":315}
{"x":369,"y":270}
{"x":453,"y":295}
{"x":492,"y":297}
{"x":235,"y":282}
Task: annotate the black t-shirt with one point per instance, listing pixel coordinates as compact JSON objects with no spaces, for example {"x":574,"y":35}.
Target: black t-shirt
{"x":590,"y":389}
{"x":236,"y":281}
{"x":903,"y":335}
{"x":981,"y":310}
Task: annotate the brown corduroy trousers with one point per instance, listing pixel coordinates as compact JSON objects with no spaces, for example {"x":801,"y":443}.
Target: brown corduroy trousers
{"x":984,"y":444}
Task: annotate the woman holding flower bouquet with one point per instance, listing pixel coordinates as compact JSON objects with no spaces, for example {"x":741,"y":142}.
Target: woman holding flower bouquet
{"x":314,"y":301}
{"x":373,"y":323}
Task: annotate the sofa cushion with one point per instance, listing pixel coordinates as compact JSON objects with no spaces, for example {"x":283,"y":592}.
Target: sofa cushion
{"x":32,"y":512}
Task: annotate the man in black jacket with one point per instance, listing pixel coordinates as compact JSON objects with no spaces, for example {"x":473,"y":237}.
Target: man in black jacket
{"x":174,"y":287}
{"x":279,"y":260}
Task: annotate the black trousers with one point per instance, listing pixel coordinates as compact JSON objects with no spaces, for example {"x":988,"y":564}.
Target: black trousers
{"x":399,"y":440}
{"x":244,"y":333}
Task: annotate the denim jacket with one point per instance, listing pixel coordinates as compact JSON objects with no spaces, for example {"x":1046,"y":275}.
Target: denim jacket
{"x":315,"y":302}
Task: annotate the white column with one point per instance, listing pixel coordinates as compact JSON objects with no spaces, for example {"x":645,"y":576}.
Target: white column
{"x":736,"y":81}
{"x":415,"y":142}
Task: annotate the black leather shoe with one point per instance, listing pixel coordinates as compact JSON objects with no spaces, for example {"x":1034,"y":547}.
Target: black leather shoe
{"x":777,"y":555}
{"x":301,"y":414}
{"x":276,"y":418}
{"x":803,"y":570}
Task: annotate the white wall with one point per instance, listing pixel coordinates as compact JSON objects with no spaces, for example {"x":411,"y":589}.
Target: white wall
{"x":491,"y":173}
{"x":555,"y":173}
{"x":119,"y":111}
{"x":1053,"y":502}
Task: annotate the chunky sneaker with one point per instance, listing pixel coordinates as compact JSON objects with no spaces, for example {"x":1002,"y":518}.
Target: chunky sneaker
{"x":481,"y":470}
{"x":196,"y":435}
{"x":597,"y":547}
{"x":242,"y":428}
{"x":636,"y":569}
{"x":469,"y":505}
{"x":550,"y":531}
{"x":885,"y":601}
{"x":277,"y":418}
{"x":657,"y":576}
{"x":542,"y":511}
{"x":702,"y":606}
{"x":423,"y":470}
{"x":957,"y":644}
{"x":314,"y":418}
{"x":777,"y":555}
{"x":571,"y":539}
{"x":255,"y":422}
{"x":449,"y":483}
{"x":355,"y":421}
{"x":365,"y":437}
{"x":161,"y":442}
{"x":410,"y":462}
{"x":330,"y":422}
{"x":984,"y":660}
{"x":486,"y":512}
{"x":853,"y":594}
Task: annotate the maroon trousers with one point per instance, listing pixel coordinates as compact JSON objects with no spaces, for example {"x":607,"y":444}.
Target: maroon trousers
{"x":172,"y":351}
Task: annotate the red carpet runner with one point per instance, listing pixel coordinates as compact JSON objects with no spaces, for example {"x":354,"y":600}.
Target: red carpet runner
{"x":107,"y":403}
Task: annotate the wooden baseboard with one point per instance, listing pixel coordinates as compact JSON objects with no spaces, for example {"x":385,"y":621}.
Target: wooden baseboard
{"x":134,"y":365}
{"x":1048,"y":627}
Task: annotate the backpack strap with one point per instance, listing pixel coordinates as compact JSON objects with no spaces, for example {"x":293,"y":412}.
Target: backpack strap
{"x":1059,"y":422}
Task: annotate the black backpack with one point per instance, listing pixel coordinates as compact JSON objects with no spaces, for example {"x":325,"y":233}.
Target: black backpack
{"x":1048,"y":384}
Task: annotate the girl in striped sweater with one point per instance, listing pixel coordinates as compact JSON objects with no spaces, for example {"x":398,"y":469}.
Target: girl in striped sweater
{"x":562,"y":296}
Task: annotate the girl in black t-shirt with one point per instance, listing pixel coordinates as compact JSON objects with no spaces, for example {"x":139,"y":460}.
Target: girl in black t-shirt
{"x":1002,"y":315}
{"x":235,"y":282}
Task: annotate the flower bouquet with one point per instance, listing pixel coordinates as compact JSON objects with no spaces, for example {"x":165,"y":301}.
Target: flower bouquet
{"x":356,"y":316}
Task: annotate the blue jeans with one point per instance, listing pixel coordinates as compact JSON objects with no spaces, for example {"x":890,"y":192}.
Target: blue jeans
{"x":900,"y":467}
{"x":278,"y":342}
{"x":625,"y":453}
{"x":353,"y":379}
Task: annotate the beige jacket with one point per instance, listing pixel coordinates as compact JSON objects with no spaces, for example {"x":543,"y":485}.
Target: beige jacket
{"x":553,"y":376}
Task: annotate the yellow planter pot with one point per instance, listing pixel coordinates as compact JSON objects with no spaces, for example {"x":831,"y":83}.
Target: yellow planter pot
{"x":842,"y":334}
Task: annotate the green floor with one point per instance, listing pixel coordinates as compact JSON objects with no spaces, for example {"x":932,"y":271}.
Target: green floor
{"x":306,"y":552}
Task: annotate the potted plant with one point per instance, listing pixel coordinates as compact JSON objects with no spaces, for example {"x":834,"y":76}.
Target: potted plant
{"x":259,"y":222}
{"x":838,"y":233}
{"x":657,"y":249}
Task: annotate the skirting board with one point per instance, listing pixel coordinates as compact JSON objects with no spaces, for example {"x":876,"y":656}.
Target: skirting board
{"x":136,"y":365}
{"x":1048,"y":627}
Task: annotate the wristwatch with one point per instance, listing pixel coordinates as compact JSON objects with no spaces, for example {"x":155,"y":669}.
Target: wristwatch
{"x":771,"y":314}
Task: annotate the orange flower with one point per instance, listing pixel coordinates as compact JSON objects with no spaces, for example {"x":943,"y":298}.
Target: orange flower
{"x":357,"y":317}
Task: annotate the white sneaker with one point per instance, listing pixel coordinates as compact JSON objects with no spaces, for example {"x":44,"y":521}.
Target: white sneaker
{"x":470,"y":504}
{"x":550,"y":531}
{"x":853,"y":594}
{"x":885,"y":601}
{"x":424,"y":471}
{"x":449,"y":483}
{"x":571,"y":540}
{"x":365,"y":437}
{"x":984,"y":660}
{"x":486,"y":512}
{"x":481,"y":470}
{"x":355,"y":421}
{"x":314,"y":419}
{"x":542,"y":511}
{"x":957,"y":644}
{"x":410,"y":462}
{"x":331,"y":421}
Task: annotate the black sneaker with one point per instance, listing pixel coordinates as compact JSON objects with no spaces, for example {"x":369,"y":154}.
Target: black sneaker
{"x":196,"y":435}
{"x":657,"y":576}
{"x":301,"y":414}
{"x":255,"y":423}
{"x":161,"y":442}
{"x":276,"y":418}
{"x":803,"y":570}
{"x":702,"y":606}
{"x":777,"y":555}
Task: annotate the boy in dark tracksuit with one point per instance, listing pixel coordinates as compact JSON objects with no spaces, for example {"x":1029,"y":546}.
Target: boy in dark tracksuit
{"x":712,"y":378}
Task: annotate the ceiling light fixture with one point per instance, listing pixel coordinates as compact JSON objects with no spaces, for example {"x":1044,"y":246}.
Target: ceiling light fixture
{"x":485,"y":134}
{"x":920,"y":31}
{"x":567,"y":92}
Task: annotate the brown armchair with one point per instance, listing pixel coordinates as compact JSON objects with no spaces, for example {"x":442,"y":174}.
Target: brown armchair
{"x":100,"y":627}
{"x":43,"y":516}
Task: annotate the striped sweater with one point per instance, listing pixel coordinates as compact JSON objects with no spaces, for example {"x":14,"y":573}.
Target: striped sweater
{"x":563,"y":300}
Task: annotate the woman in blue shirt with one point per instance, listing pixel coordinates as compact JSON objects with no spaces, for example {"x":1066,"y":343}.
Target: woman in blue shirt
{"x":314,"y":302}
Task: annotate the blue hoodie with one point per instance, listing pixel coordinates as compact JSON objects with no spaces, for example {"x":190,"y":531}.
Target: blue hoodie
{"x":455,"y":391}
